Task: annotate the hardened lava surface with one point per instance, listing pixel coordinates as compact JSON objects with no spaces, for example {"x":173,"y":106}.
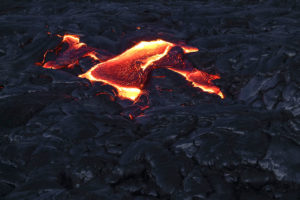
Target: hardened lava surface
{"x":64,"y":138}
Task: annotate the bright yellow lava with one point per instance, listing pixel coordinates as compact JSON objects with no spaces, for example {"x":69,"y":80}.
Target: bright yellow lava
{"x":206,"y":88}
{"x":130,"y":93}
{"x":126,"y":72}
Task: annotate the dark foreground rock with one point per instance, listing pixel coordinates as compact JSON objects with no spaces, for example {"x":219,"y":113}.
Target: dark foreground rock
{"x":62,"y":137}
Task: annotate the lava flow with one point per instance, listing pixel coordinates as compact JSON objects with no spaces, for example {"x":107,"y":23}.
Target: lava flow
{"x":129,"y":71}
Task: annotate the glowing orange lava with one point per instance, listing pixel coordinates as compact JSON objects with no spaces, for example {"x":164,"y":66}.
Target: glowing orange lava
{"x":201,"y":80}
{"x":70,"y":57}
{"x":73,"y":41}
{"x":128,"y":72}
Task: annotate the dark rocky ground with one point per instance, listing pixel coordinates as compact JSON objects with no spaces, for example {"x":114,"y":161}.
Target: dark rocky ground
{"x":59,"y":140}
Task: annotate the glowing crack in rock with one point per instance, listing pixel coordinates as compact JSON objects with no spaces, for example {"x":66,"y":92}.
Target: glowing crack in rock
{"x":129,"y":71}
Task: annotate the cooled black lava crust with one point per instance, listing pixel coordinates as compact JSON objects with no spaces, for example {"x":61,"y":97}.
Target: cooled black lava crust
{"x":62,"y":137}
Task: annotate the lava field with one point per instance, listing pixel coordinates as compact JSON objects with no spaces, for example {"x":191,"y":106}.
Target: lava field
{"x":66,"y":137}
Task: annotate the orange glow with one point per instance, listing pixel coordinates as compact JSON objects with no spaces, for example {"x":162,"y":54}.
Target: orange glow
{"x":73,"y":41}
{"x":131,"y":117}
{"x":128,"y":72}
{"x":201,"y":80}
{"x":70,"y":57}
{"x":187,"y":49}
{"x":154,"y":58}
{"x":128,"y":69}
{"x":130,"y":93}
{"x":92,"y":55}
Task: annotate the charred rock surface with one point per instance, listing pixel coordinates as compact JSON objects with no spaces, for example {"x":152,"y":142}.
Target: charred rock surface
{"x":62,"y":137}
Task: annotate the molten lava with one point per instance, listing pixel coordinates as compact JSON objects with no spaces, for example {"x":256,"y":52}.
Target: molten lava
{"x":70,"y":57}
{"x":201,"y":80}
{"x":129,"y":71}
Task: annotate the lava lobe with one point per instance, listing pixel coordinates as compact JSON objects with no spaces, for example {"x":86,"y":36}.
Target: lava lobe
{"x":129,"y":71}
